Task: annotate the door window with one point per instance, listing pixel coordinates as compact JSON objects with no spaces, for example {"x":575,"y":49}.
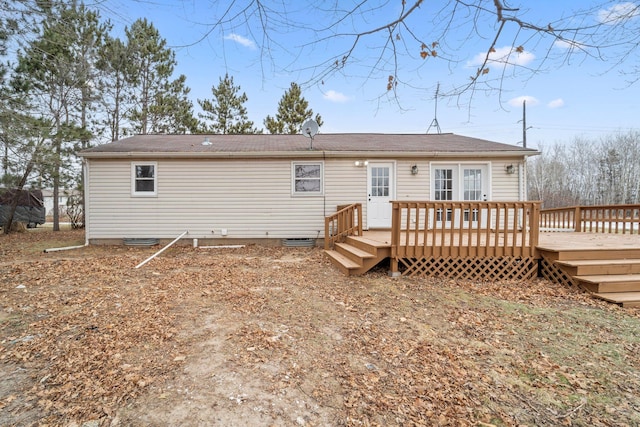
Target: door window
{"x":380,"y":181}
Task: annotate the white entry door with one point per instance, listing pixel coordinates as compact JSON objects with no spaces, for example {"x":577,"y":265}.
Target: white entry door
{"x":380,"y":192}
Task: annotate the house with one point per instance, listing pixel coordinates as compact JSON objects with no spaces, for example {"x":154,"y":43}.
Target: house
{"x":248,"y":188}
{"x":63,"y":197}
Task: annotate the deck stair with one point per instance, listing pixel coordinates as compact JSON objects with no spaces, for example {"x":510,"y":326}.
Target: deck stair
{"x":357,"y":255}
{"x":611,"y":274}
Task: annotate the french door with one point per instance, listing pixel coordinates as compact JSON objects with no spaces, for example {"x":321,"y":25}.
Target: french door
{"x":455,"y":182}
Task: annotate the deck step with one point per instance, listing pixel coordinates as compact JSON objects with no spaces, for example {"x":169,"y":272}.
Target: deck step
{"x":600,"y":267}
{"x":610,"y":283}
{"x":355,"y":254}
{"x":368,"y":245}
{"x":590,"y":253}
{"x":626,"y":299}
{"x":344,"y":263}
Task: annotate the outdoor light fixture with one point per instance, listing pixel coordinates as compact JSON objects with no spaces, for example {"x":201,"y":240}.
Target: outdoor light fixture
{"x":414,"y":170}
{"x":510,"y":169}
{"x":360,"y":163}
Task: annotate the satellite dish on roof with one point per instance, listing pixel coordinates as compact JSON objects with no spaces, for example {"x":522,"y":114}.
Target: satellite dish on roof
{"x":310,"y":129}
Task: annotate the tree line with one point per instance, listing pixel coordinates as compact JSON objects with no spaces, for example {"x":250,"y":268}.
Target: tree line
{"x":71,"y":84}
{"x":587,"y":172}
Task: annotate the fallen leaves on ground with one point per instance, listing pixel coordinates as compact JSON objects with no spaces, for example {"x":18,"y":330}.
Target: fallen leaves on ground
{"x":277,"y":336}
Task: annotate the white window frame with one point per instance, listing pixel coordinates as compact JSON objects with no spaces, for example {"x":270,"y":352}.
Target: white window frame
{"x":307,"y":193}
{"x":135,"y":193}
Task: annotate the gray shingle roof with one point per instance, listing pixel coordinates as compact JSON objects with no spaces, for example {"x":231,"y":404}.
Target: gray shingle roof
{"x":289,"y":144}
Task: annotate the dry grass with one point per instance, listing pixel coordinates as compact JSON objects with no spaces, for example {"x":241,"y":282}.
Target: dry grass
{"x":274,"y":336}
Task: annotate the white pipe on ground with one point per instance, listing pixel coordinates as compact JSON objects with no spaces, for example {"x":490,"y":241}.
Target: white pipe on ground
{"x":67,"y":248}
{"x":222,"y":247}
{"x":161,"y":250}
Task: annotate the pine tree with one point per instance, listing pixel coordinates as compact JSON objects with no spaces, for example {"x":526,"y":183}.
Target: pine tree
{"x":226,"y":110}
{"x":172,"y":111}
{"x":55,"y":74}
{"x":160,"y":105}
{"x":292,"y":112}
{"x":116,"y":71}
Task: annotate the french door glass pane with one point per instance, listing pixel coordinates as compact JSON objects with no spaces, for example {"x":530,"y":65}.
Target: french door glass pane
{"x":443,"y":184}
{"x":472,"y":179}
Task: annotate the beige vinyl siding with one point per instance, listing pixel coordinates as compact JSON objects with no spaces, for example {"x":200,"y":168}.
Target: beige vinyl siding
{"x":203,"y":197}
{"x":412,"y":187}
{"x":250,"y":199}
{"x":345,"y":183}
{"x":505,"y":186}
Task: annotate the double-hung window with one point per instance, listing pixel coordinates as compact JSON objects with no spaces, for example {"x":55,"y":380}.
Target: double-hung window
{"x":307,"y":178}
{"x":144,"y":179}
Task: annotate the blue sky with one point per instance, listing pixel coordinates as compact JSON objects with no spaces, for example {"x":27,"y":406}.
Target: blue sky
{"x":566,"y":98}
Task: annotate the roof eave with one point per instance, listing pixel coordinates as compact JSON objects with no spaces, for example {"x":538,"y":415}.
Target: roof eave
{"x":300,"y":154}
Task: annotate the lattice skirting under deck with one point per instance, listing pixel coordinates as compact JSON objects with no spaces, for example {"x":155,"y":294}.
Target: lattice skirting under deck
{"x":550,"y":271}
{"x":474,"y":268}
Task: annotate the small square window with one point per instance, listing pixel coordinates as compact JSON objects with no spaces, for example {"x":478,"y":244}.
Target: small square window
{"x":307,"y":178}
{"x":144,"y":179}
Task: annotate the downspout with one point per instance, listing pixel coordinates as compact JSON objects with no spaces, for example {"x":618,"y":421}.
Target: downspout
{"x":520,"y":194}
{"x":86,"y":236}
{"x":521,"y":172}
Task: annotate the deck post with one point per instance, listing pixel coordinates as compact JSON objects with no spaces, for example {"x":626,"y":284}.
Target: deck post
{"x":577,"y":220}
{"x":534,"y":229}
{"x":327,"y":235}
{"x":395,"y":229}
{"x":395,"y":239}
{"x":393,"y":269}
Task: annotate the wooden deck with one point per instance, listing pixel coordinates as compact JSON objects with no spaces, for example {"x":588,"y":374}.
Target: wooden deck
{"x":606,"y":265}
{"x":596,"y":247}
{"x":551,"y":241}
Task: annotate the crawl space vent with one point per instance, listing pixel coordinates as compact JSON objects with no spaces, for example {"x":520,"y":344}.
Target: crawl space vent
{"x":298,"y":243}
{"x":140,"y":242}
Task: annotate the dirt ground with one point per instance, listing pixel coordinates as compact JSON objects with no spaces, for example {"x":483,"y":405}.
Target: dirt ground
{"x":261,"y":336}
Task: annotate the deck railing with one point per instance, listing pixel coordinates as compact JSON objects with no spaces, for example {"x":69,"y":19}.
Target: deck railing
{"x":464,"y":229}
{"x":345,"y":222}
{"x":615,"y":219}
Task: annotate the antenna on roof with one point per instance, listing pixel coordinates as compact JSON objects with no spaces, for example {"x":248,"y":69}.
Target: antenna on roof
{"x":434,"y":122}
{"x":310,"y":129}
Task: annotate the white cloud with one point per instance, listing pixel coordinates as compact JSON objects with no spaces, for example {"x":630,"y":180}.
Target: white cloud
{"x":241,"y":40}
{"x":507,"y":55}
{"x":517,"y":102}
{"x":556,"y":103}
{"x":568,"y":44}
{"x":333,"y":96}
{"x":619,"y":12}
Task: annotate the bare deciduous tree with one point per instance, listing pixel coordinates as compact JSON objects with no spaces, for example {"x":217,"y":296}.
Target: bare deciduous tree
{"x":587,"y":172}
{"x":395,"y":40}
